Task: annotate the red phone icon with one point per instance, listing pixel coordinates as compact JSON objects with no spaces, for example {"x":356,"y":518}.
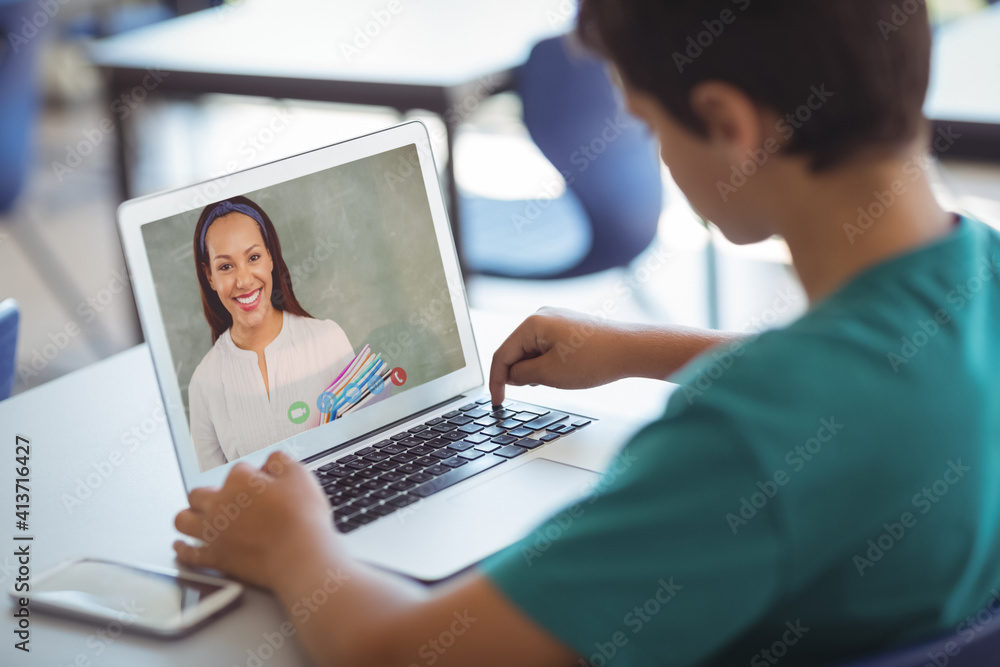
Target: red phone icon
{"x":398,"y":376}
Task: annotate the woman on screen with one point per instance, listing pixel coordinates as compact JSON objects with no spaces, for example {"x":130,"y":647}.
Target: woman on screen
{"x":270,"y":359}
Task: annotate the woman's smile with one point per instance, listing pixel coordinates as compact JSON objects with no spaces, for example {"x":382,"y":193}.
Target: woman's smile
{"x":250,"y":300}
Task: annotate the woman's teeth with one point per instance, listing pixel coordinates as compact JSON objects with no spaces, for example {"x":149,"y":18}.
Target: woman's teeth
{"x":250,"y":299}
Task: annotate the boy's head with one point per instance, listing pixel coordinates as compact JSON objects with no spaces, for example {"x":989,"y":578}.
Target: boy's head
{"x":736,"y":89}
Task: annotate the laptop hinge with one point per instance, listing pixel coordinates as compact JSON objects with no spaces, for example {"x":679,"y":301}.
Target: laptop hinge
{"x":387,"y":427}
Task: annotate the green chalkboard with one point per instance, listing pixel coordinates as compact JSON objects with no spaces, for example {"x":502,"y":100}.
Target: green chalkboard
{"x":359,"y":243}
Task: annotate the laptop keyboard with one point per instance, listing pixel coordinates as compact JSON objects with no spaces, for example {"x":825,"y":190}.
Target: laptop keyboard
{"x":394,"y":473}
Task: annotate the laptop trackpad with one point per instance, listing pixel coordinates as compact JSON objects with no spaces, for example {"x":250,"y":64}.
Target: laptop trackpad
{"x":528,"y":493}
{"x":433,"y":541}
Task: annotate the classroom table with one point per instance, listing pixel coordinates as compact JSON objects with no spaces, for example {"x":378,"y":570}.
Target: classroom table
{"x":105,"y":483}
{"x":443,"y":56}
{"x":964,"y":96}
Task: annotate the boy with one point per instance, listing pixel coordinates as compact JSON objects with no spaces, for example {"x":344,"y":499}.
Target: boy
{"x":817,"y":493}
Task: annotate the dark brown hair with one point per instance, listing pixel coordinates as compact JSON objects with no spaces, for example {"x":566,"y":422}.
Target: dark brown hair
{"x":872,"y":55}
{"x":282,"y":295}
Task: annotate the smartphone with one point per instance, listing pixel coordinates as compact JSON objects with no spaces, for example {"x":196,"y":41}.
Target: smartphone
{"x":154,"y":601}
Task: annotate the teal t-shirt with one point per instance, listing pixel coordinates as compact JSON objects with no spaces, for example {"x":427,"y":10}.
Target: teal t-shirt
{"x":823,"y":491}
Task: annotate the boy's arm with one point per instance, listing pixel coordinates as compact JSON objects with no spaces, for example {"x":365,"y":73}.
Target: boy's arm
{"x":569,"y":350}
{"x":279,"y":535}
{"x":378,"y":619}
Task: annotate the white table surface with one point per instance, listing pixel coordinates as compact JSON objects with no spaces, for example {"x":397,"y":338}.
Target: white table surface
{"x":444,"y":43}
{"x":439,"y":43}
{"x":76,"y":424}
{"x":966,"y":70}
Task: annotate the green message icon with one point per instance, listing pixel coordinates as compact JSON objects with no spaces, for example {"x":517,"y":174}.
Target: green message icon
{"x":298,"y":412}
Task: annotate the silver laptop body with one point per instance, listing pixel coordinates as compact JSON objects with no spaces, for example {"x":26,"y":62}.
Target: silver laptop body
{"x":437,"y":535}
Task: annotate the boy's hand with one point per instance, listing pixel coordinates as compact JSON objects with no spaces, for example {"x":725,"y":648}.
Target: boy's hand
{"x":260,"y":525}
{"x":560,"y":348}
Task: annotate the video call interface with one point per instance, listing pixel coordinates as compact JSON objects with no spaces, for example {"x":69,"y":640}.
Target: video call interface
{"x":300,"y":304}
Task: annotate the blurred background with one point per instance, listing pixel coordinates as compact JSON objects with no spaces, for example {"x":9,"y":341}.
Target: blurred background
{"x":556,"y":197}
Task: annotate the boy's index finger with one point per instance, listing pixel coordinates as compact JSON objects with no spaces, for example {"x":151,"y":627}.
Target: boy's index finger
{"x":503,"y":359}
{"x":517,"y":346}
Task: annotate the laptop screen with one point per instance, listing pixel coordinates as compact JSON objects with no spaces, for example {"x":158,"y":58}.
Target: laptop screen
{"x":297,"y":305}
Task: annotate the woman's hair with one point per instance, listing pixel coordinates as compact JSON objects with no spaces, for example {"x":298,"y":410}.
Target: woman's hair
{"x":282,"y":295}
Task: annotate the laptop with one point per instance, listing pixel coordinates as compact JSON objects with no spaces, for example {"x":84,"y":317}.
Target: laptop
{"x":373,"y":379}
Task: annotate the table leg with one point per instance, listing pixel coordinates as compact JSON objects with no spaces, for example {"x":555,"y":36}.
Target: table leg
{"x":122,"y":146}
{"x":454,"y":206}
{"x":124,"y":178}
{"x":712,"y":279}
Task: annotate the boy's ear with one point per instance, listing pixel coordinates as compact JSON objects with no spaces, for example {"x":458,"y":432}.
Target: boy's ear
{"x":733,"y":121}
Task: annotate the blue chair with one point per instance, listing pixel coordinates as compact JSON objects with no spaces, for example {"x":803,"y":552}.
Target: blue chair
{"x":981,"y":649}
{"x":9,"y":319}
{"x":611,"y":209}
{"x":19,"y":96}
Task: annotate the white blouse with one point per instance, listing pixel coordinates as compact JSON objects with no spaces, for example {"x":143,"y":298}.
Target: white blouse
{"x":231,"y":413}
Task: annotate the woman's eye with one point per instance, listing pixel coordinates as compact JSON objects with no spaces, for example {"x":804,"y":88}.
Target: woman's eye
{"x":254,"y":258}
{"x":224,"y":267}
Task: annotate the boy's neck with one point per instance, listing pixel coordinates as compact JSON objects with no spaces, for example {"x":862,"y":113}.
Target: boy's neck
{"x":837,"y":225}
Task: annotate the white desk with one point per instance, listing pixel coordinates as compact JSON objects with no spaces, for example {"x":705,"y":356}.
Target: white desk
{"x":963,"y":95}
{"x":444,"y":56}
{"x":77,"y":423}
